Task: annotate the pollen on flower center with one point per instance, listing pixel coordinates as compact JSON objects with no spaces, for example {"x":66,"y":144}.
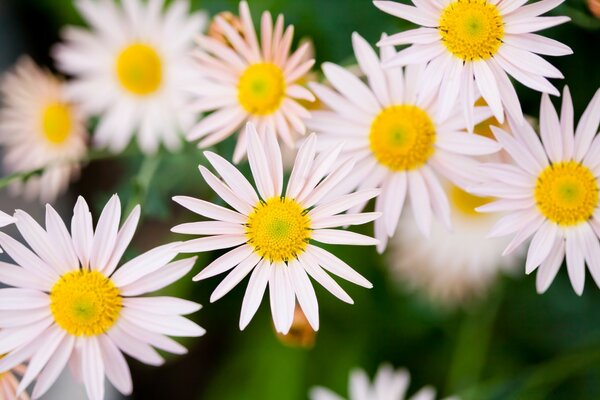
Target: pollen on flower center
{"x":57,"y":121}
{"x":402,"y":137}
{"x":466,"y":203}
{"x":139,"y":69}
{"x":85,"y":303}
{"x":567,"y":193}
{"x":278,"y":229}
{"x":471,"y":29}
{"x":261,"y":88}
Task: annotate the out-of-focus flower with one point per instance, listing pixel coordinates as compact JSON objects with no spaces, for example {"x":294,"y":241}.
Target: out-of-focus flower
{"x":451,"y":268}
{"x":132,"y":70}
{"x":301,"y":334}
{"x":473,"y":44}
{"x":273,"y":232}
{"x":5,"y":219}
{"x":216,"y":32}
{"x":550,"y":192}
{"x":70,"y":303}
{"x":388,"y":385}
{"x":9,"y":383}
{"x":40,"y":128}
{"x":398,"y":138}
{"x":244,"y":80}
{"x":594,"y":6}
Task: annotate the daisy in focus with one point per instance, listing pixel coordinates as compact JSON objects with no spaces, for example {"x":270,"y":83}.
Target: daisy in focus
{"x":40,"y":128}
{"x":451,"y":268}
{"x":397,"y":137}
{"x":550,"y":192}
{"x":387,"y":385}
{"x":247,"y":80}
{"x":473,"y":44}
{"x":132,"y":70}
{"x":69,"y":303}
{"x":274,"y":233}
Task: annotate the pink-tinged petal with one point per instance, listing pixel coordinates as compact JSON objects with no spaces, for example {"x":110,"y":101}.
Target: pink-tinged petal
{"x":449,"y":89}
{"x":437,"y":196}
{"x":302,"y":166}
{"x":575,"y":260}
{"x":16,"y":276}
{"x":419,"y":201}
{"x":415,"y":15}
{"x":416,"y":54}
{"x":235,"y":276}
{"x":60,"y":235}
{"x":335,"y":221}
{"x":105,"y":236}
{"x":313,"y":269}
{"x":210,"y":210}
{"x":233,"y":177}
{"x":341,"y":204}
{"x":527,"y":136}
{"x":144,"y":264}
{"x":587,"y":127}
{"x":172,"y":325}
{"x":530,"y":62}
{"x":371,"y":66}
{"x":92,"y":366}
{"x":506,"y":205}
{"x":520,"y":155}
{"x":209,"y":228}
{"x":259,"y":164}
{"x":467,"y":144}
{"x":510,"y":100}
{"x":160,"y":278}
{"x":254,"y":292}
{"x":328,"y":184}
{"x":541,"y":245}
{"x":566,"y":124}
{"x":117,"y":370}
{"x":11,"y":339}
{"x":519,"y":25}
{"x":513,"y":222}
{"x":507,"y":6}
{"x":225,"y":192}
{"x":488,"y":86}
{"x":248,"y":28}
{"x":134,"y":347}
{"x":392,"y":197}
{"x":210,"y":243}
{"x":549,"y":128}
{"x":82,"y":231}
{"x":22,"y":299}
{"x":339,"y":103}
{"x":321,"y":166}
{"x":351,"y":87}
{"x":530,"y":10}
{"x":54,"y":367}
{"x":419,"y":36}
{"x":550,"y":266}
{"x":305,"y":293}
{"x":274,"y":160}
{"x":334,"y":265}
{"x":123,"y":239}
{"x":509,"y":174}
{"x":531,"y":80}
{"x":282,"y":298}
{"x":524,"y":233}
{"x":537,"y":44}
{"x":157,"y":340}
{"x":161,"y":305}
{"x":335,"y":236}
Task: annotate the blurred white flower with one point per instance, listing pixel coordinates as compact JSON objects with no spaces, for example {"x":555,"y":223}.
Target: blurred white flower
{"x":400,"y":142}
{"x":244,"y":80}
{"x":273,"y":232}
{"x":550,"y":192}
{"x":9,"y":383}
{"x":132,"y":70}
{"x":40,"y":128}
{"x":5,"y":219}
{"x":471,"y":45}
{"x":387,"y":385}
{"x":69,"y":303}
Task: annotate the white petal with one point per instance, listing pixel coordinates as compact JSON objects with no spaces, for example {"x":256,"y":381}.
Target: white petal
{"x":144,"y":264}
{"x":305,"y":293}
{"x":210,"y":210}
{"x":160,"y":278}
{"x":334,"y":265}
{"x":117,"y":370}
{"x":235,"y":277}
{"x":282,"y":298}
{"x":105,"y":236}
{"x":254,"y":292}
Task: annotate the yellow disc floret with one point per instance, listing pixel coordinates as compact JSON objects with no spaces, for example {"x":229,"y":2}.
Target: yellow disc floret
{"x":402,"y":137}
{"x":567,"y":193}
{"x":57,"y":122}
{"x":85,"y":303}
{"x":278,"y":229}
{"x":466,"y":203}
{"x":261,"y":88}
{"x":471,"y":29}
{"x":139,"y":69}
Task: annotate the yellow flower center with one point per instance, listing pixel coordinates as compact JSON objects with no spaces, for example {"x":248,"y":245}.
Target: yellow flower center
{"x":466,"y":203}
{"x":261,"y":88}
{"x":567,"y":193}
{"x":278,"y":229}
{"x":139,"y":69}
{"x":85,"y":303}
{"x":402,"y":137}
{"x":57,"y":121}
{"x":472,"y":29}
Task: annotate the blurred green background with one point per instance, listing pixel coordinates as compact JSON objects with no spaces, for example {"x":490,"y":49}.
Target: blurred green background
{"x":514,"y":344}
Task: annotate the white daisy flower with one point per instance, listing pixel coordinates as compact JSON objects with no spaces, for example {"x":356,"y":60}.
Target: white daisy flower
{"x":396,"y":135}
{"x":245,"y":80}
{"x":132,"y":69}
{"x":550,"y":192}
{"x":451,"y":268}
{"x":469,"y":44}
{"x":70,"y":303}
{"x":40,"y":128}
{"x":274,"y":233}
{"x":388,"y":385}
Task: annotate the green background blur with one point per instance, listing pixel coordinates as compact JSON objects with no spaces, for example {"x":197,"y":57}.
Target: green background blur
{"x":514,"y":344}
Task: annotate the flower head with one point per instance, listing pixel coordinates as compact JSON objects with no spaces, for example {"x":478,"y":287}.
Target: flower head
{"x":40,"y":128}
{"x":70,"y":303}
{"x":274,"y":233}
{"x":247,"y":80}
{"x":132,"y":69}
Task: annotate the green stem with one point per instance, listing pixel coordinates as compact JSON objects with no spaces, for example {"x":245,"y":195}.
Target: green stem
{"x":143,"y":179}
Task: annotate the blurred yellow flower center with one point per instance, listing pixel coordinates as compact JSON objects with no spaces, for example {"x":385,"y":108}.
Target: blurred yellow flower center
{"x":471,"y":29}
{"x":402,"y":137}
{"x":466,"y":203}
{"x":278,"y":229}
{"x":85,"y":303}
{"x":567,"y":193}
{"x":139,"y":69}
{"x":57,"y":122}
{"x":261,"y":88}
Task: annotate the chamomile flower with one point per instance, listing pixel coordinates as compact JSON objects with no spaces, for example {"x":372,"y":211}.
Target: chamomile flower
{"x":247,"y":80}
{"x":40,"y":128}
{"x":469,"y":44}
{"x":132,"y":69}
{"x":274,"y":233}
{"x":451,"y":268}
{"x":398,"y":138}
{"x":388,"y":385}
{"x":9,"y":383}
{"x":550,"y":192}
{"x":69,"y":303}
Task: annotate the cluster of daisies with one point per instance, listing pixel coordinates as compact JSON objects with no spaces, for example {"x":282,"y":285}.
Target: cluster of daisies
{"x":435,"y":128}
